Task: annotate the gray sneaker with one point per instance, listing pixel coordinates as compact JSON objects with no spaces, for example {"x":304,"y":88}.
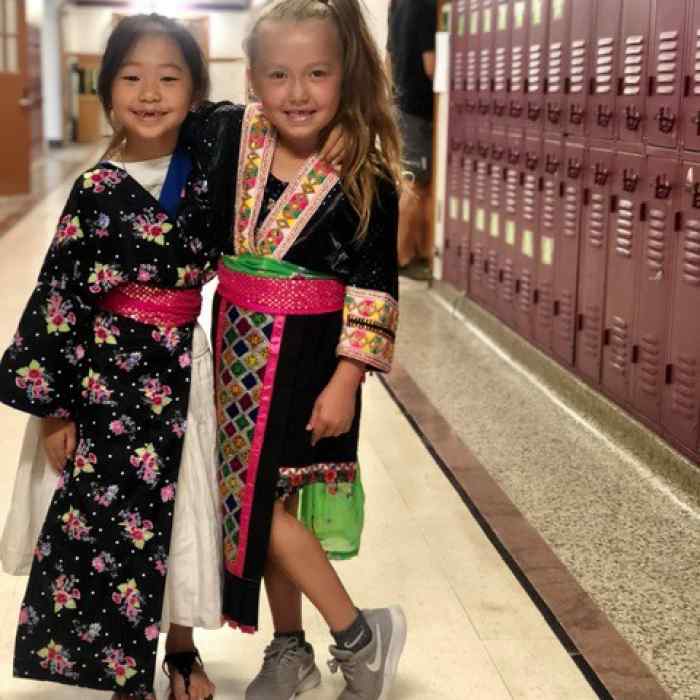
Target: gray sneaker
{"x":288,"y":669}
{"x":369,"y":673}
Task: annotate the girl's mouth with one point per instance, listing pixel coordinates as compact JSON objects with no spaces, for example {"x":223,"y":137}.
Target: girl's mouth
{"x":148,"y":115}
{"x":299,"y":116}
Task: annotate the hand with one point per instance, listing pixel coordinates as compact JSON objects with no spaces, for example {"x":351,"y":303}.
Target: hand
{"x":59,"y":437}
{"x":333,"y":151}
{"x":334,"y":410}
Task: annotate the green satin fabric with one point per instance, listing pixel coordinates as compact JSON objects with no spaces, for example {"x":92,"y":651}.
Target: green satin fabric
{"x":261,"y":266}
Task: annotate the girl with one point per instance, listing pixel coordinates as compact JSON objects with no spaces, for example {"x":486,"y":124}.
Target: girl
{"x":307,"y":303}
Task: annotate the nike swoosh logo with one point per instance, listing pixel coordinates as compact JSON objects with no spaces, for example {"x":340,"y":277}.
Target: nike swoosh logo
{"x":377,"y":661}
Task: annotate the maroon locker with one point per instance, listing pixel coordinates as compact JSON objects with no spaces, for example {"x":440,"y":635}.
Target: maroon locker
{"x":600,"y":114}
{"x":690,"y":114}
{"x":515,"y":157}
{"x":633,"y":60}
{"x":528,"y":237}
{"x":517,"y":83}
{"x":681,"y":405}
{"x":453,"y":201}
{"x":536,"y":64}
{"x":557,"y":66}
{"x":550,"y":227}
{"x":580,"y":50}
{"x":468,"y":168}
{"x":655,"y":288}
{"x":594,"y":237}
{"x":501,"y":63}
{"x":471,"y":88}
{"x":665,"y":73}
{"x":624,"y":249}
{"x":478,"y":244}
{"x":494,"y":223}
{"x":567,"y":253}
{"x":486,"y":34}
{"x":458,"y":68}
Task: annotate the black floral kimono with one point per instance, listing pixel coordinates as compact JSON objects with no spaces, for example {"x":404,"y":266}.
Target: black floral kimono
{"x":299,"y":290}
{"x":93,"y":604}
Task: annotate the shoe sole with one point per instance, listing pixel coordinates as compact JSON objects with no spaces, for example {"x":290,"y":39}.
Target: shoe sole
{"x":313,"y":680}
{"x":396,"y":645}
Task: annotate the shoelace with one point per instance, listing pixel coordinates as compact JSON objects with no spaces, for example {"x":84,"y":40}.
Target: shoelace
{"x":279,"y":651}
{"x":346,"y":667}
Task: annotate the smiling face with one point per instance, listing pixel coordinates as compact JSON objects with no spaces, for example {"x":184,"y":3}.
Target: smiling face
{"x":151,"y":96}
{"x":297,"y":74}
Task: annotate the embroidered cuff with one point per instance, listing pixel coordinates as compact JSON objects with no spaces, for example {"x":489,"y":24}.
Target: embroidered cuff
{"x":370,"y":319}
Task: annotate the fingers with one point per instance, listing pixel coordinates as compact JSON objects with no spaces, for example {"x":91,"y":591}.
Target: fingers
{"x":334,"y":149}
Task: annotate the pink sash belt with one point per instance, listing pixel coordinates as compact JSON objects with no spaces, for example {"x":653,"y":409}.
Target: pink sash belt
{"x":155,"y":306}
{"x":288,"y":297}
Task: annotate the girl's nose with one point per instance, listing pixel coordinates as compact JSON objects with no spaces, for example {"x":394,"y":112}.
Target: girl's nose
{"x":298,"y":92}
{"x":150,"y":92}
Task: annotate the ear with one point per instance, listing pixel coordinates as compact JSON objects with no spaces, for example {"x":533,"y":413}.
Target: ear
{"x":250,"y":81}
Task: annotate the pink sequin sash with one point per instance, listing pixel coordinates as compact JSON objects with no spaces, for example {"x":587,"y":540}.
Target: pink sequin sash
{"x":155,"y":306}
{"x":288,"y":297}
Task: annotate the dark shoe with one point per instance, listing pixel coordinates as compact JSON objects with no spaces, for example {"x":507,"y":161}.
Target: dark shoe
{"x":183,"y":662}
{"x":416,"y":270}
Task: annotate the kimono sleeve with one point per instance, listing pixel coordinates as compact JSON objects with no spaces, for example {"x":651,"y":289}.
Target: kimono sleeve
{"x":371,"y":311}
{"x":37,"y":372}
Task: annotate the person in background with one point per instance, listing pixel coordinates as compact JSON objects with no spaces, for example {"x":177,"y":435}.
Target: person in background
{"x":411,"y":62}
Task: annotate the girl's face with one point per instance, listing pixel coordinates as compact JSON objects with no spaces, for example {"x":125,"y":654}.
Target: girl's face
{"x":297,"y":75}
{"x":152,"y":93}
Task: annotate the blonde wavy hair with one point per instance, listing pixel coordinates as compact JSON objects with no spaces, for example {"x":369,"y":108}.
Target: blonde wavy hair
{"x":366,"y":114}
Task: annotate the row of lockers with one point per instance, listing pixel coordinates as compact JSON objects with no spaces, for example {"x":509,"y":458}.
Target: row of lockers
{"x":591,"y":254}
{"x":608,"y":69}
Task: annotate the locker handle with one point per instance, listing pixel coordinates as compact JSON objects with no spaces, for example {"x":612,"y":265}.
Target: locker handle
{"x":573,"y":169}
{"x":633,"y":118}
{"x":516,"y":110}
{"x":552,"y":165}
{"x":499,"y":108}
{"x":695,"y":191}
{"x":531,"y":161}
{"x":605,"y":115}
{"x":630,"y":180}
{"x":484,"y":107}
{"x":533,"y":112}
{"x":553,"y":113}
{"x":513,"y":156}
{"x":662,"y":188}
{"x":601,"y":175}
{"x":696,"y":121}
{"x":666,"y":119}
{"x":497,"y":152}
{"x":576,"y":115}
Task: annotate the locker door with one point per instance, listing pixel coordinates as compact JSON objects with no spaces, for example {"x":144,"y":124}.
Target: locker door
{"x":624,"y":248}
{"x":517,"y":83}
{"x":478,"y":249}
{"x":485,"y":98}
{"x":501,"y":63}
{"x":594,"y":238}
{"x":690,"y":114}
{"x":458,"y":83}
{"x":536,"y":69}
{"x":603,"y":86}
{"x":453,"y":200}
{"x":495,"y":214}
{"x":567,"y":253}
{"x":511,"y":210}
{"x":681,"y":404}
{"x":528,"y":239}
{"x":557,"y":65}
{"x":633,"y":60}
{"x":550,"y":226}
{"x":665,"y":73}
{"x":472,"y":60}
{"x":654,"y":296}
{"x":469,"y":164}
{"x":580,"y":49}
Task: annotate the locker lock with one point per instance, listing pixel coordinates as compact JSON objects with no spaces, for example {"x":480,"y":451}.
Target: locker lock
{"x":605,"y":115}
{"x":666,"y":119}
{"x":551,"y":165}
{"x":497,"y":152}
{"x":531,"y":161}
{"x":601,"y":175}
{"x":633,"y":118}
{"x":662,"y":187}
{"x":573,"y":169}
{"x":468,"y":147}
{"x":630,"y":180}
{"x":469,"y":106}
{"x":513,"y":156}
{"x":576,"y":114}
{"x":516,"y":110}
{"x":499,"y":108}
{"x":553,"y":113}
{"x":483,"y":150}
{"x":693,"y":187}
{"x":533,"y":112}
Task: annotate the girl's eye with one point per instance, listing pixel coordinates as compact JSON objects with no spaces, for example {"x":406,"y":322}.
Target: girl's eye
{"x":277,"y":75}
{"x":318,"y":73}
{"x":130,"y":78}
{"x":170,"y":79}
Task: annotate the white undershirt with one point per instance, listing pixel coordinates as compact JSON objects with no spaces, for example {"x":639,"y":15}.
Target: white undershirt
{"x":150,"y":174}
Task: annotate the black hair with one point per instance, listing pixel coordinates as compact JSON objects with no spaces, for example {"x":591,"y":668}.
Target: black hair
{"x":128,"y":32}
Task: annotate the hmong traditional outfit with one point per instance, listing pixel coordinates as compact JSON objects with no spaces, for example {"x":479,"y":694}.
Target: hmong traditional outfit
{"x":299,"y":291}
{"x":106,"y":341}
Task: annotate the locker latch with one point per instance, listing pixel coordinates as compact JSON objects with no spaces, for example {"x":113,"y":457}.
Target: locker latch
{"x":633,"y":118}
{"x":533,"y":112}
{"x":601,"y":175}
{"x":531,"y":161}
{"x":516,"y":110}
{"x":662,"y":188}
{"x":484,"y":107}
{"x":696,"y":121}
{"x":483,"y":150}
{"x":499,"y":108}
{"x":496,"y":152}
{"x":553,"y":113}
{"x":470,"y":106}
{"x":666,"y":119}
{"x":630,"y":180}
{"x":573,"y":169}
{"x":513,"y":156}
{"x":576,"y":114}
{"x":605,"y":115}
{"x":695,"y":191}
{"x":551,"y":165}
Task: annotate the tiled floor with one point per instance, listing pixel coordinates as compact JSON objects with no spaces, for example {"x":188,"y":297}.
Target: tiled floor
{"x":474,"y":633}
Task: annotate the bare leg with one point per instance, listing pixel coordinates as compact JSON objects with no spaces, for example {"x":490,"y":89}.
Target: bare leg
{"x":299,"y":555}
{"x":409,"y":220}
{"x":426,"y":243}
{"x":181,"y":639}
{"x":282,"y":593}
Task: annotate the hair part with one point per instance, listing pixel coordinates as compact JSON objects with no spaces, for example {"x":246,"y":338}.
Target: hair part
{"x":366,"y":112}
{"x":122,"y":40}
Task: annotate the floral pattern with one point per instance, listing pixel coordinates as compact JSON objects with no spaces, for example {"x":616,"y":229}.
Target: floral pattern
{"x":151,"y":226}
{"x":147,"y":463}
{"x":59,"y":316}
{"x":57,"y":660}
{"x":156,"y":394}
{"x":128,"y":598}
{"x":68,"y":230}
{"x":36,"y":381}
{"x":85,"y":459}
{"x":102,"y":179}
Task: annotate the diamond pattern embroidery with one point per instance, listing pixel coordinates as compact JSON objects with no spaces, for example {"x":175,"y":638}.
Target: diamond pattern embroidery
{"x":246,"y":347}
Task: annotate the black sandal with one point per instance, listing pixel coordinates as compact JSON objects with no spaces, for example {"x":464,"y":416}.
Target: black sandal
{"x":183,"y":662}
